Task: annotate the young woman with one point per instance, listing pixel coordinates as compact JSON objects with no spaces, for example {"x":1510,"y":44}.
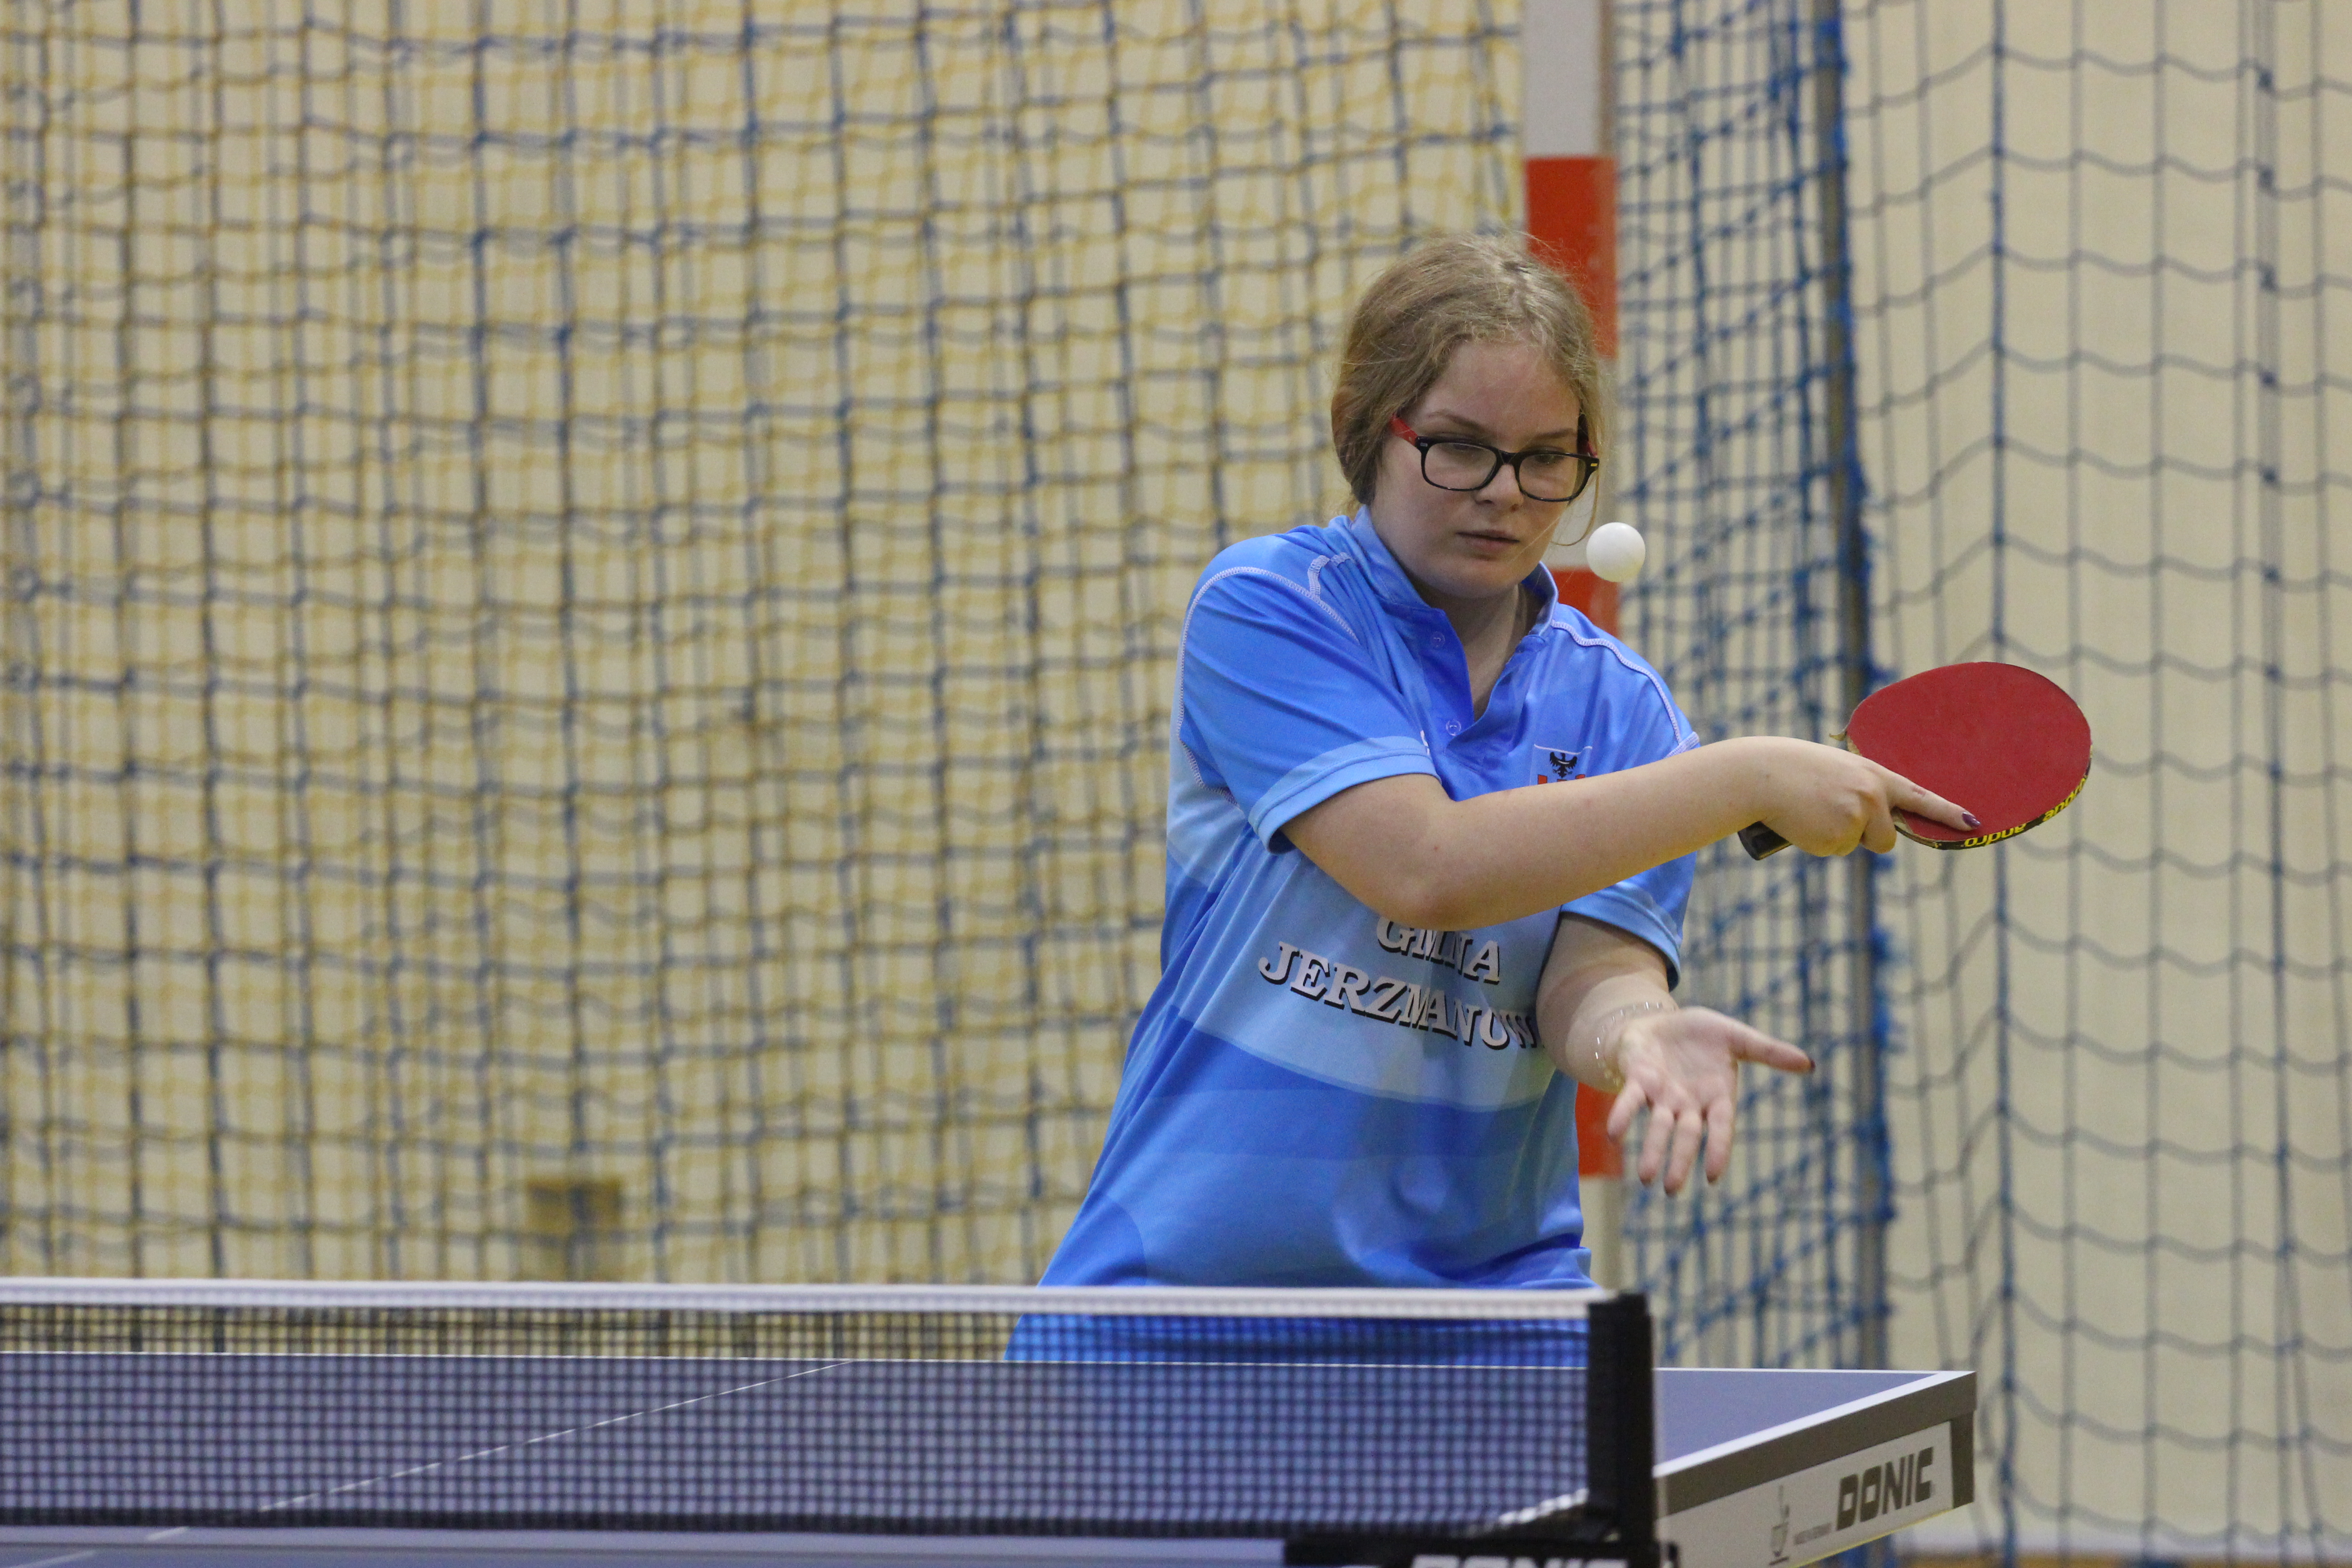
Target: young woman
{"x":1428,"y":847}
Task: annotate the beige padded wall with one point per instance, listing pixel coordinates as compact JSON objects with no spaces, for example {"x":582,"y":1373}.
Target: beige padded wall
{"x":590,"y":591}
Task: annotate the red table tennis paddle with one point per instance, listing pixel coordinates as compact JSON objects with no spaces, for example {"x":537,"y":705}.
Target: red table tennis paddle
{"x":1997,"y":739}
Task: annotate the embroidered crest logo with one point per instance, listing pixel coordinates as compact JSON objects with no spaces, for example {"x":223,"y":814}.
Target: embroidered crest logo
{"x":1557,"y":764}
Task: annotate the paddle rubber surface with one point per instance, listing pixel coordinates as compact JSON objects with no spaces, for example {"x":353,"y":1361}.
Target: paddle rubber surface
{"x":1995,"y":739}
{"x":2008,"y":745}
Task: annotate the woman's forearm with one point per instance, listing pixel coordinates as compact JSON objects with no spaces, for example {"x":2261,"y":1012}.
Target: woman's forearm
{"x":1414,"y":854}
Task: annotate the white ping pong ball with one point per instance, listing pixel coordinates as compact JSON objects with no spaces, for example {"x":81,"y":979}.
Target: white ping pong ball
{"x":1615,"y":552}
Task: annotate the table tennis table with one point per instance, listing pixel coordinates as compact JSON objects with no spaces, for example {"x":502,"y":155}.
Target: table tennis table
{"x":185,"y":1460}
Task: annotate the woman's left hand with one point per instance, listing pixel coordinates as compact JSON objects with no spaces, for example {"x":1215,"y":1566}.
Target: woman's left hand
{"x":1683,"y":1066}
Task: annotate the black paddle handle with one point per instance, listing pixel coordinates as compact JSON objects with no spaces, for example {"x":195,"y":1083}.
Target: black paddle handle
{"x":1759,"y":841}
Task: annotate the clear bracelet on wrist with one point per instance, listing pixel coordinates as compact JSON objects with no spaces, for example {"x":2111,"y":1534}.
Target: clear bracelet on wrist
{"x":1613,"y":1075}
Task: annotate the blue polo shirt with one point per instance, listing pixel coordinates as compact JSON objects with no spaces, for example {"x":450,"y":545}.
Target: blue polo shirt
{"x":1315,"y":1095}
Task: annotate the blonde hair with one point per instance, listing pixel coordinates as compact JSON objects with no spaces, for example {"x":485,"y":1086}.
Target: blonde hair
{"x":1456,"y":290}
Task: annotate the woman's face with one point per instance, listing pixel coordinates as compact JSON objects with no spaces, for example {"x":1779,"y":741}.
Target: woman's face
{"x":1464,"y":549}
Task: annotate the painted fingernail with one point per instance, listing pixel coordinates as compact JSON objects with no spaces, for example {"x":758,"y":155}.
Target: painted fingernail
{"x":1970,"y":818}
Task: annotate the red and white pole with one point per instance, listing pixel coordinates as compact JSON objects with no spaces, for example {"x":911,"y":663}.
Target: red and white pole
{"x":1571,"y":187}
{"x":1572,"y":191}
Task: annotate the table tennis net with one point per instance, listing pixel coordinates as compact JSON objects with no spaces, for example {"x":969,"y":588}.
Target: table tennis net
{"x":917,"y":1410}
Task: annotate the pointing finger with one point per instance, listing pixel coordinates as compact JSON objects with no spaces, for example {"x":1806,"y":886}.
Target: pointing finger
{"x":1908,"y":796}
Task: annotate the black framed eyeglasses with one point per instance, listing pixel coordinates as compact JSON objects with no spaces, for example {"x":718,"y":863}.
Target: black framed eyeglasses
{"x":1545,"y":473}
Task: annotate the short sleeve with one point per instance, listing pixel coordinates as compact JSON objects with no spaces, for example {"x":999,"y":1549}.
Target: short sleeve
{"x":1646,"y":727}
{"x":1281,"y":703}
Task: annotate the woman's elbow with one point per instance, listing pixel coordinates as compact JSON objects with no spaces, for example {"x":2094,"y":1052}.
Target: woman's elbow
{"x":1398,"y":847}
